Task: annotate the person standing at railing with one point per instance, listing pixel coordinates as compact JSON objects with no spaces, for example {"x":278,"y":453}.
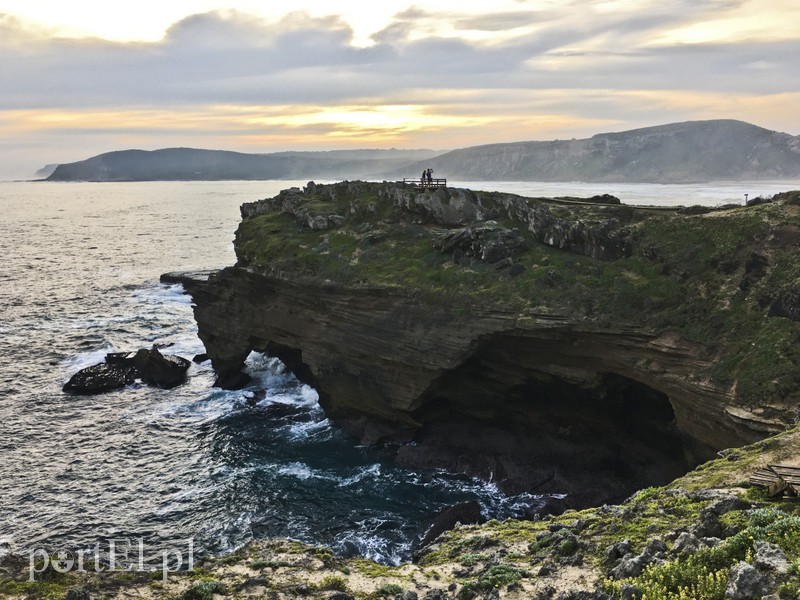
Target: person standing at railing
{"x":430,"y":176}
{"x":425,"y":176}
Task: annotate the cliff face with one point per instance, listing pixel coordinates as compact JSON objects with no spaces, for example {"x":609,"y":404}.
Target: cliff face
{"x":552,"y":346}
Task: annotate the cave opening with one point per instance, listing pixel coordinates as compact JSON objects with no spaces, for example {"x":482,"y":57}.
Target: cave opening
{"x":555,"y":426}
{"x":596,"y":443}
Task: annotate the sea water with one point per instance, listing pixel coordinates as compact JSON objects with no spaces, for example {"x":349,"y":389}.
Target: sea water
{"x":79,"y":270}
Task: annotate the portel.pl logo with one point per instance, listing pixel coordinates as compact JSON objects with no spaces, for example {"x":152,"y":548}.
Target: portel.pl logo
{"x":117,"y":554}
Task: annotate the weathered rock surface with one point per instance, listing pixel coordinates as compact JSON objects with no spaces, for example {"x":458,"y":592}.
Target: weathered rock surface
{"x":619,"y":358}
{"x":120,"y":369}
{"x":466,"y":513}
{"x":745,"y":583}
{"x":165,"y":371}
{"x":102,"y":377}
{"x":770,"y":558}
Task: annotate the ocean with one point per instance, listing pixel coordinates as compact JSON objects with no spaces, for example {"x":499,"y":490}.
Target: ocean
{"x":79,"y":278}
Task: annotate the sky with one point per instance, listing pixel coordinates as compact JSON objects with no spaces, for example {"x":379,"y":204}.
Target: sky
{"x":83,"y":77}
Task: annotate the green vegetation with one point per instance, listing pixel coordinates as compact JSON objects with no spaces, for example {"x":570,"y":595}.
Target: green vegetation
{"x":204,"y":590}
{"x":703,"y":575}
{"x":325,"y":555}
{"x":372,"y":569}
{"x":388,"y":590}
{"x":332,"y":582}
{"x":41,"y":590}
{"x":495,"y":577}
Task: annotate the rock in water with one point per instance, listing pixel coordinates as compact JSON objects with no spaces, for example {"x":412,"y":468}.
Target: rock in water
{"x":102,"y":377}
{"x":159,"y":370}
{"x":120,"y":370}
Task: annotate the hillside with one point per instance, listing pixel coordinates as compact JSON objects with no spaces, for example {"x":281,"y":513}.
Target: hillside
{"x":189,"y":164}
{"x":688,"y":152}
{"x":677,"y":153}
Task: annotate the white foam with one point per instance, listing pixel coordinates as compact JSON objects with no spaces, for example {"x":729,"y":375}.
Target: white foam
{"x":316,"y":430}
{"x":371,"y":472}
{"x":366,"y":540}
{"x":298,"y":470}
{"x":86,"y":359}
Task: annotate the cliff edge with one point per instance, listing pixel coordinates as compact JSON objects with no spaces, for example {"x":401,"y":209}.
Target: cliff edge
{"x":552,"y":345}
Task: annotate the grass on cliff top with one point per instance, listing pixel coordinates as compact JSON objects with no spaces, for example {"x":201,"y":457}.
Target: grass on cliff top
{"x":401,"y":254}
{"x":704,"y":575}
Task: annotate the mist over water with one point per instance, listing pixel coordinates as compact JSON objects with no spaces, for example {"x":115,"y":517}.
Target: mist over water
{"x":79,"y":278}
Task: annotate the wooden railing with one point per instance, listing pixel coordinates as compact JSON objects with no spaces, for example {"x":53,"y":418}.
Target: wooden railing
{"x":425,"y":184}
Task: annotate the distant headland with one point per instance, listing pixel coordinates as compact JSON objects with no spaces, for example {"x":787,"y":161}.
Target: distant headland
{"x":689,"y":152}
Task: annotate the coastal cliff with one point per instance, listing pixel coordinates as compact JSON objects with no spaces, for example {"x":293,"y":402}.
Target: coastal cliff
{"x":551,"y":345}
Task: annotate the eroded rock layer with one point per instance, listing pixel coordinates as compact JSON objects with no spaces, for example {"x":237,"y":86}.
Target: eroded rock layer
{"x":550,"y":345}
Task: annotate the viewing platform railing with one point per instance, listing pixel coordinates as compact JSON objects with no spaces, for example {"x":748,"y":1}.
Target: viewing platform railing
{"x":425,"y":184}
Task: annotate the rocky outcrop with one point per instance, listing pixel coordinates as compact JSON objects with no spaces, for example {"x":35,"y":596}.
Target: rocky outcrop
{"x":466,"y":513}
{"x":121,"y":369}
{"x":595,"y":370}
{"x":389,"y":366}
{"x":598,"y":230}
{"x":116,"y":372}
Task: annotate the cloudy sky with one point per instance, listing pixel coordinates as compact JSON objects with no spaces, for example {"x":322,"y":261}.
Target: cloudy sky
{"x":82,"y":77}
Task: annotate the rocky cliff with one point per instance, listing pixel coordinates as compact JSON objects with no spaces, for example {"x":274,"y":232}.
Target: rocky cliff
{"x":552,"y":345}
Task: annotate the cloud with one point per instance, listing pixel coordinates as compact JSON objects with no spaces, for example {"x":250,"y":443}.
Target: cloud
{"x":577,"y":66}
{"x":232,"y":57}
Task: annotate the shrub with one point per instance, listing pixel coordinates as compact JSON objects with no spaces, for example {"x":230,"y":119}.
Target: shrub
{"x":204,"y":590}
{"x":497,"y":576}
{"x":388,"y":590}
{"x":331,"y":582}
